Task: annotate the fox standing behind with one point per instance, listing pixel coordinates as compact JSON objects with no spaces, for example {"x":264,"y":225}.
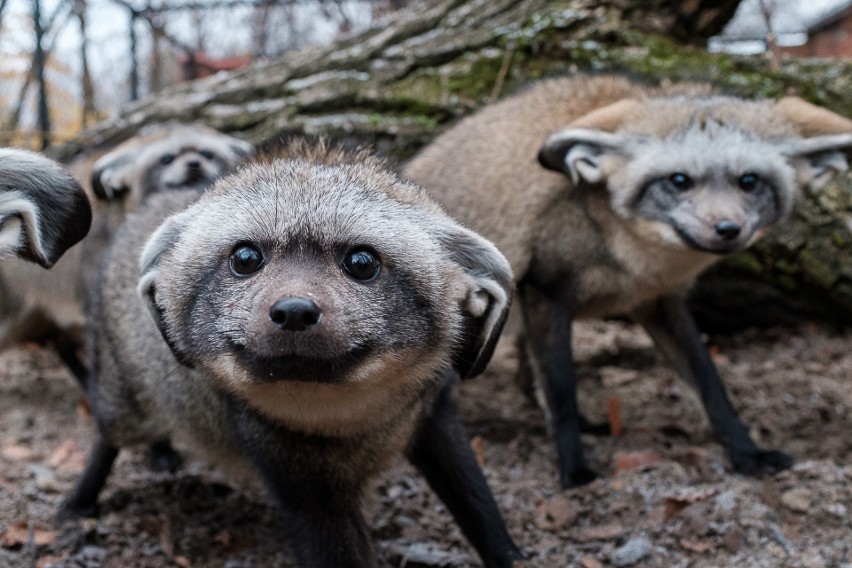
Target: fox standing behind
{"x":34,"y":304}
{"x":652,"y":185}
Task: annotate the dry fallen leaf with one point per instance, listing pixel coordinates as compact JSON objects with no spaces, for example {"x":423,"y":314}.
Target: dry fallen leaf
{"x":67,"y":457}
{"x":16,"y":452}
{"x":613,"y":411}
{"x":18,"y":533}
{"x":590,"y":562}
{"x":632,"y":461}
{"x":718,"y":357}
{"x":700,"y":545}
{"x":477,"y":444}
{"x":676,"y":503}
{"x":556,"y":513}
{"x":84,"y":410}
{"x":601,"y":532}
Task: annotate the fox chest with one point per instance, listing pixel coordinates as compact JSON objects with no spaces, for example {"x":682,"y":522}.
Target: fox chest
{"x":633,"y":273}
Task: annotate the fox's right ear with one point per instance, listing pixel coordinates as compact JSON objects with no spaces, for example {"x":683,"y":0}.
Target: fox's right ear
{"x":579,"y":149}
{"x":580,"y":153}
{"x":157,"y":245}
{"x":112,"y":173}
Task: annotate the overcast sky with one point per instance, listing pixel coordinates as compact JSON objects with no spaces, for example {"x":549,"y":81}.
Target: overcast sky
{"x":787,"y":15}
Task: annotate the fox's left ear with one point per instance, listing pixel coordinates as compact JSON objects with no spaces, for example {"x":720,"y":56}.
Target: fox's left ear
{"x":825,"y":148}
{"x":486,"y":300}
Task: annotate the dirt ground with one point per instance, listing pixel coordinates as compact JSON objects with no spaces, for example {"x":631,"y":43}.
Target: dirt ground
{"x":667,"y":497}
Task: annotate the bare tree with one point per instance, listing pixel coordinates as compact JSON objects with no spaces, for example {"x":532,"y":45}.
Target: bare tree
{"x":260,"y":23}
{"x":14,"y":117}
{"x":38,"y":70}
{"x":155,"y":82}
{"x":88,"y":111}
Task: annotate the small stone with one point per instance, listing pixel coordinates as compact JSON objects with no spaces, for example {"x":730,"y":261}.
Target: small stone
{"x":44,"y":479}
{"x":837,"y":509}
{"x":798,"y":500}
{"x":813,"y":559}
{"x":632,"y":551}
{"x":733,"y":540}
{"x":725,"y":502}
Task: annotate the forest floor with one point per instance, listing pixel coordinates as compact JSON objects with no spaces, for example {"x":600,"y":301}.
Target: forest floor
{"x":667,"y":497}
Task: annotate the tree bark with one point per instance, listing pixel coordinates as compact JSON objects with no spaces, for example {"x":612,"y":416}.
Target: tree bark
{"x":39,"y":62}
{"x":396,"y":86}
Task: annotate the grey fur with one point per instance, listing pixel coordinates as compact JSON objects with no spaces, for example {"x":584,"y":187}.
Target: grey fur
{"x":43,"y":211}
{"x":165,"y":157}
{"x":34,"y":304}
{"x":607,"y":233}
{"x":179,"y":338}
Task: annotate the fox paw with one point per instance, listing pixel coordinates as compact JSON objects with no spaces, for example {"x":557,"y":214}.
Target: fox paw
{"x":760,"y":462}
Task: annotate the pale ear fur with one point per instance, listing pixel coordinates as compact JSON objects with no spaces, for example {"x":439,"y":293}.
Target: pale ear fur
{"x":811,"y":120}
{"x":578,"y":152}
{"x":487,"y":299}
{"x":609,"y":118}
{"x":826,"y":144}
{"x":19,"y":221}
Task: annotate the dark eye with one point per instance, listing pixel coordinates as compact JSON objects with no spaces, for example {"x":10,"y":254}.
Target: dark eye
{"x":361,"y":264}
{"x":245,"y":260}
{"x":167,"y":159}
{"x":748,"y":182}
{"x":207,"y":154}
{"x":681,"y":181}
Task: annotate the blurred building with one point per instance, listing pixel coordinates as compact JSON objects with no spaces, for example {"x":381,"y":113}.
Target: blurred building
{"x":200,"y":65}
{"x":818,"y":28}
{"x":829,"y":36}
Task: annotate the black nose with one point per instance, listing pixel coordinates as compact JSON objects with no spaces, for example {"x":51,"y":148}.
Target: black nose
{"x":194,"y":164}
{"x":728,"y":230}
{"x":295,"y":314}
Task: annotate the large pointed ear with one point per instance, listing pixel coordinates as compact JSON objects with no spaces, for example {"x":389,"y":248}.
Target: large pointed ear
{"x":114,"y":172}
{"x":486,"y":299}
{"x":823,"y":157}
{"x":826,"y":145}
{"x":157,"y":245}
{"x":43,"y":210}
{"x":811,"y":120}
{"x":580,"y":153}
{"x":577,"y":150}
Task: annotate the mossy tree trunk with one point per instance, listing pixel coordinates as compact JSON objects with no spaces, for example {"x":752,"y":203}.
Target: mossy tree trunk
{"x":397,"y":86}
